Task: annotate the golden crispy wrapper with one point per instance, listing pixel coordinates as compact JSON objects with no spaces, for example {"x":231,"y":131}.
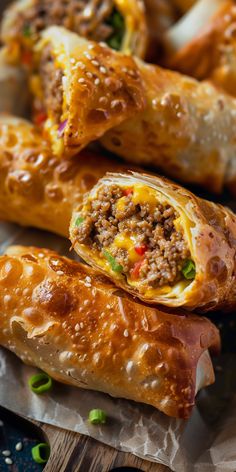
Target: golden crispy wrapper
{"x":186,"y":130}
{"x":210,"y":53}
{"x":71,"y":322}
{"x":99,"y":88}
{"x":209,"y":230}
{"x":36,"y":189}
{"x":24,"y":20}
{"x":143,"y":113}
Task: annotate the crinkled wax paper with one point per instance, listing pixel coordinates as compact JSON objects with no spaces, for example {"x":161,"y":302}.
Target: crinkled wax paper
{"x":205,"y":443}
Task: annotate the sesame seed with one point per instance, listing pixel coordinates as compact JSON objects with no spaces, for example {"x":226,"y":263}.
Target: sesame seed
{"x":81,"y":325}
{"x":126,"y":333}
{"x":97,"y":81}
{"x":8,"y":461}
{"x":90,"y":46}
{"x":19,"y":446}
{"x":103,"y":70}
{"x":6,"y":453}
{"x":89,"y":75}
{"x":81,"y":80}
{"x":77,"y":327}
{"x":95,"y":63}
{"x":103,"y":100}
{"x":80,"y":65}
{"x":86,"y":54}
{"x":59,"y":272}
{"x":72,"y":60}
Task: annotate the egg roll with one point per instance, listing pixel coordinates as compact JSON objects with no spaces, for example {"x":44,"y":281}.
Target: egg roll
{"x":143,"y":113}
{"x":203,"y":43}
{"x":121,"y":25}
{"x":187,"y":130}
{"x":158,"y":241}
{"x":83,"y":87}
{"x":37,"y":189}
{"x":72,"y":323}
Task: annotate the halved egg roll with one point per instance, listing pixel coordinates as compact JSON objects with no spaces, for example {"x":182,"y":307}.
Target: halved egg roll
{"x":169,"y":121}
{"x":83,"y":87}
{"x":122,"y":25}
{"x":158,"y":241}
{"x":36,"y":189}
{"x":203,"y":45}
{"x":72,"y":323}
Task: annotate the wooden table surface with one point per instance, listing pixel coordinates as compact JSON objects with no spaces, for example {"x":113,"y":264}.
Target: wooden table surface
{"x":73,"y":452}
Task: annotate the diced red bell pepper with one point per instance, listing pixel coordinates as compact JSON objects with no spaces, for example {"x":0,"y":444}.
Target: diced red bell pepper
{"x":40,"y":118}
{"x":27,"y":57}
{"x":141,"y":249}
{"x":128,"y":191}
{"x":135,"y":272}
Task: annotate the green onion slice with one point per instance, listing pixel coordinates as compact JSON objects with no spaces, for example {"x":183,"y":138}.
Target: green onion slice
{"x":40,"y":383}
{"x":117,"y":22}
{"x":27,"y":31}
{"x":79,"y":220}
{"x":114,"y":265}
{"x":97,"y":416}
{"x":189,"y":269}
{"x":40,"y":453}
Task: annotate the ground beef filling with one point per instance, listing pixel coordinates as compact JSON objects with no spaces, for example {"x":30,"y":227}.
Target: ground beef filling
{"x":51,"y":78}
{"x":162,"y":248}
{"x":87,"y":18}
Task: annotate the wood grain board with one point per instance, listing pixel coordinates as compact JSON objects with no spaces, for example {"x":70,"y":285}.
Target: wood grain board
{"x":73,"y":452}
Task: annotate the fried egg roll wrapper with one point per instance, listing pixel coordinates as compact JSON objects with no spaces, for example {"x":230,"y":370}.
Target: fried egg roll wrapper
{"x":187,"y":130}
{"x":158,"y":241}
{"x":72,"y":323}
{"x":207,"y":51}
{"x":36,"y":189}
{"x":142,"y":113}
{"x":122,"y":25}
{"x":85,"y":88}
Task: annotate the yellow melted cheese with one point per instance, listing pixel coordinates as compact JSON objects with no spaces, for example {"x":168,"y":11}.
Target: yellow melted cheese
{"x":127,"y":243}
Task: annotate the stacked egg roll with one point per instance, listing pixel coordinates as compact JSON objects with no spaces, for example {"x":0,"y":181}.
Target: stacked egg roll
{"x":158,"y":241}
{"x":146,"y":114}
{"x":73,"y":323}
{"x":122,"y":25}
{"x":36,"y":189}
{"x":203,"y":44}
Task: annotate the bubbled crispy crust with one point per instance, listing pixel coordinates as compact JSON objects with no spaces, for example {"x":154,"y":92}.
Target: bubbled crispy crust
{"x":72,"y":322}
{"x":213,"y":236}
{"x":212,"y":53}
{"x":187,"y":130}
{"x":101,"y":87}
{"x":37,"y":189}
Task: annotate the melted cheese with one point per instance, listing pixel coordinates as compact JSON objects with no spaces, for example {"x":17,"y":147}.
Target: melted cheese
{"x":143,"y":194}
{"x":127,"y":243}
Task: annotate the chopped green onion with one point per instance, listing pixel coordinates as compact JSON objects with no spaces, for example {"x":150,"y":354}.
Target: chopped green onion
{"x":97,"y":416}
{"x":189,"y":270}
{"x":40,"y":453}
{"x":40,"y":383}
{"x":27,"y":31}
{"x":116,"y":21}
{"x":114,"y":265}
{"x":79,"y":220}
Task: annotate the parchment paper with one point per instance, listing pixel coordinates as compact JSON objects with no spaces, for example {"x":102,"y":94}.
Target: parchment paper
{"x":205,"y":443}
